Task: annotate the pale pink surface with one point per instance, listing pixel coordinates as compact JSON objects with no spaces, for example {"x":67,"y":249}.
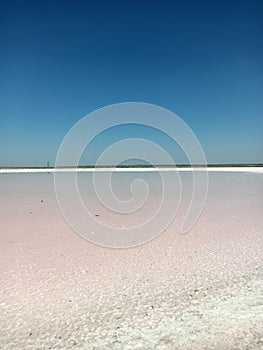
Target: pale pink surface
{"x":202,"y":290}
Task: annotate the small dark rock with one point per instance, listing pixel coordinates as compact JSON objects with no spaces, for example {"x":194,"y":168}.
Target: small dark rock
{"x":30,"y":212}
{"x":152,"y":307}
{"x":30,"y":333}
{"x":96,"y":214}
{"x":116,"y":342}
{"x":41,"y":201}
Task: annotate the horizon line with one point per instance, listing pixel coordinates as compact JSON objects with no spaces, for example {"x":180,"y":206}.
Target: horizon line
{"x":138,"y":166}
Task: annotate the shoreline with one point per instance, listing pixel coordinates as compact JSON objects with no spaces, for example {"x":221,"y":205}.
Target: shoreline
{"x":253,"y":169}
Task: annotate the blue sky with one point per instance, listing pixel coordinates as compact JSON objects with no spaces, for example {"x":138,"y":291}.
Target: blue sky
{"x":61,"y":60}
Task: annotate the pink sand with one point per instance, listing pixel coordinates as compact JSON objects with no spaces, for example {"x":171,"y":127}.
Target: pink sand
{"x":202,"y":290}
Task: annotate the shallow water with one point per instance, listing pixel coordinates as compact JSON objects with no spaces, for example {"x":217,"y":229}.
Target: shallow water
{"x":195,"y":291}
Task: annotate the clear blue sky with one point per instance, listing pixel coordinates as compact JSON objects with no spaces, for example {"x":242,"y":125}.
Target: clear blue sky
{"x":60,"y":60}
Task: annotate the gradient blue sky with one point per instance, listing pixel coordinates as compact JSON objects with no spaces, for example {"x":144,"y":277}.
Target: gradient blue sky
{"x":60,"y":60}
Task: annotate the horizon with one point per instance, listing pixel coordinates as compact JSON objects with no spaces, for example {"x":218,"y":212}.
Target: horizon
{"x":140,"y":166}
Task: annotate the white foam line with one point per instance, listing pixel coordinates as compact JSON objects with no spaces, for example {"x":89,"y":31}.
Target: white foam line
{"x":90,"y":170}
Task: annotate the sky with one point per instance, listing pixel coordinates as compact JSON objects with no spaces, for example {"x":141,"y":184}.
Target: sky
{"x":60,"y":60}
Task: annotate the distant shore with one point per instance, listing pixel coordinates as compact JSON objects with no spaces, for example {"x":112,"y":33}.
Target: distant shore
{"x":138,"y":168}
{"x":216,"y":165}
